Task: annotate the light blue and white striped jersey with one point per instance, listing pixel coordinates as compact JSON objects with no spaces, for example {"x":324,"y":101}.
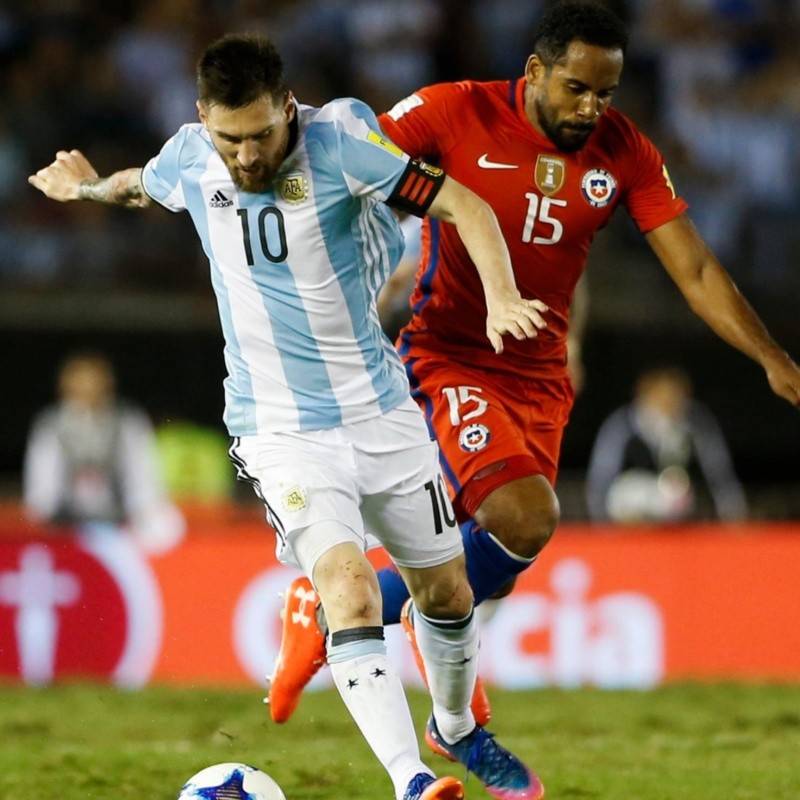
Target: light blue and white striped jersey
{"x":296,"y":270}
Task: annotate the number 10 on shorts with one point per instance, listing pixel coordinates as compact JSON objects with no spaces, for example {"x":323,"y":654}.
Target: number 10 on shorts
{"x":442,"y":507}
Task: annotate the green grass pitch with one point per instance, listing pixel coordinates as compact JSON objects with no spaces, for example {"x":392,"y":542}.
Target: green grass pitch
{"x":679,"y":742}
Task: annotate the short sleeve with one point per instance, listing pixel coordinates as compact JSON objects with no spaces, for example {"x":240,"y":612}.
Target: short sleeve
{"x":423,"y":123}
{"x":349,"y":132}
{"x":651,"y":198}
{"x":161,"y":176}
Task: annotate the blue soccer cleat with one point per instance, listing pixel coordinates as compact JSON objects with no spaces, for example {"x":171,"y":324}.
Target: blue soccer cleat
{"x":427,"y":787}
{"x":501,"y":772}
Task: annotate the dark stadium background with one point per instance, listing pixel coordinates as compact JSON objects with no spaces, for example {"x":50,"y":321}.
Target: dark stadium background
{"x":175,"y":370}
{"x":135,"y":285}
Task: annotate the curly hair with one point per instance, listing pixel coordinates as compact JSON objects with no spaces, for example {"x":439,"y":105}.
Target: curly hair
{"x":589,"y":22}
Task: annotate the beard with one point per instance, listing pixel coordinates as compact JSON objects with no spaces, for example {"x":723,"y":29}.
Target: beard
{"x":566,"y":136}
{"x":254,"y":182}
{"x":259,"y":177}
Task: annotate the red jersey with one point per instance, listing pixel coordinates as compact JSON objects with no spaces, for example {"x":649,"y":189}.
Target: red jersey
{"x":549,"y":204}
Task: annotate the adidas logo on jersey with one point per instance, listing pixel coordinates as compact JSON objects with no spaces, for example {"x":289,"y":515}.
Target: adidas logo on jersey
{"x":219,"y":200}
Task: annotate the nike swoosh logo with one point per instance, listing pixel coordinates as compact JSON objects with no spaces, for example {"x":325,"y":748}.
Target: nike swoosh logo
{"x":484,"y":162}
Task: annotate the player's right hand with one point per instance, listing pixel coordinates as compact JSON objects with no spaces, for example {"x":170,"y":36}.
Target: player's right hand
{"x":784,"y":378}
{"x":62,"y":179}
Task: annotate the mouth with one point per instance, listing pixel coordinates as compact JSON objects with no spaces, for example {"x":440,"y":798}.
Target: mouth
{"x":584,"y":130}
{"x":250,"y":176}
{"x":255,"y":178}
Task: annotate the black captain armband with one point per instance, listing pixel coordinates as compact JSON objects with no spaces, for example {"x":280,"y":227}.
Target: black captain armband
{"x":418,"y":185}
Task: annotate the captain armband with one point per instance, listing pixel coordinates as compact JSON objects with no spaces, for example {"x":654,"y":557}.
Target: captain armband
{"x":418,"y":185}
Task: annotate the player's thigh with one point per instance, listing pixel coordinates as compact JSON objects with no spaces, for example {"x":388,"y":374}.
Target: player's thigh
{"x":516,"y":489}
{"x":475,"y":419}
{"x":307,"y":484}
{"x":405,"y":502}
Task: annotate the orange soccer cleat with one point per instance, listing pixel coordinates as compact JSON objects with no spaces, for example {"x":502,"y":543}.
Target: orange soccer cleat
{"x":481,"y":708}
{"x":302,"y":650}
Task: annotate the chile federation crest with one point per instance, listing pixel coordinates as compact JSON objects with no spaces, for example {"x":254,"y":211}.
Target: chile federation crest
{"x":598,"y":187}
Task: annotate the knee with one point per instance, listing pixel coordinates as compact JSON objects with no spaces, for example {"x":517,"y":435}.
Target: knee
{"x":445,"y":595}
{"x":529,"y":534}
{"x":352,"y":602}
{"x":525,"y":526}
{"x":541,"y":526}
{"x":349,"y":592}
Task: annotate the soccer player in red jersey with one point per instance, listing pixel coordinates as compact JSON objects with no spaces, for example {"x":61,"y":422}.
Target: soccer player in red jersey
{"x":554,"y":161}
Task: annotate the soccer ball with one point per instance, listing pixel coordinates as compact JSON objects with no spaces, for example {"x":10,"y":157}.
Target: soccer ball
{"x":231,"y":782}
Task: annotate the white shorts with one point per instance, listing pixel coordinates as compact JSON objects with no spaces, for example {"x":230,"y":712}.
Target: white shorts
{"x":379,"y":476}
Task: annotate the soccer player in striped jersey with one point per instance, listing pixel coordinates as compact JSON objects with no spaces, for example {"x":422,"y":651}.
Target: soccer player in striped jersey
{"x":291,"y":204}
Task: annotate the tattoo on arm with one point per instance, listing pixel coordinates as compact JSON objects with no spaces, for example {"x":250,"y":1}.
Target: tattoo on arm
{"x":123,"y":188}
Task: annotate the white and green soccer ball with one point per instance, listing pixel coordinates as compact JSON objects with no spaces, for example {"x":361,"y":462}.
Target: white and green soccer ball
{"x":231,"y":781}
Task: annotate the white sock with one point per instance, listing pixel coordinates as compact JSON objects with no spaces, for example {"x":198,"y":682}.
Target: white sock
{"x":449,"y":650}
{"x":371,"y":689}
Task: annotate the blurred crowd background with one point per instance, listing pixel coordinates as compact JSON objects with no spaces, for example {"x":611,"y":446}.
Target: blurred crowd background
{"x":715,"y":83}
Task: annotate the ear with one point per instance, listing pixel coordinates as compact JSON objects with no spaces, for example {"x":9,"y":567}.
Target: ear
{"x":534,"y":69}
{"x":289,"y":107}
{"x":201,"y":113}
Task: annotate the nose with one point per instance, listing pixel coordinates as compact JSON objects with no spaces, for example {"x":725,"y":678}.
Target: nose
{"x":589,"y":106}
{"x":248,"y":153}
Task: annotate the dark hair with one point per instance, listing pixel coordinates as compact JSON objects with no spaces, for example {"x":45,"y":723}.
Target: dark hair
{"x":237,"y":70}
{"x":589,"y":22}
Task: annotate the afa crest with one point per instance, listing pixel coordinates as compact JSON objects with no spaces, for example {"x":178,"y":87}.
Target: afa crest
{"x":295,"y":499}
{"x":293,"y":188}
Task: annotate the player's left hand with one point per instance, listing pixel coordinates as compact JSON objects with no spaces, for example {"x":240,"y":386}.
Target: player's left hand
{"x":784,"y":378}
{"x":512,"y":314}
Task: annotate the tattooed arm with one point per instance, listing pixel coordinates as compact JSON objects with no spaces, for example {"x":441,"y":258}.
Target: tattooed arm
{"x":72,"y":177}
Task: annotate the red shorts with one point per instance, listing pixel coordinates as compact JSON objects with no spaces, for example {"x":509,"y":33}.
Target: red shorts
{"x":492,"y":428}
